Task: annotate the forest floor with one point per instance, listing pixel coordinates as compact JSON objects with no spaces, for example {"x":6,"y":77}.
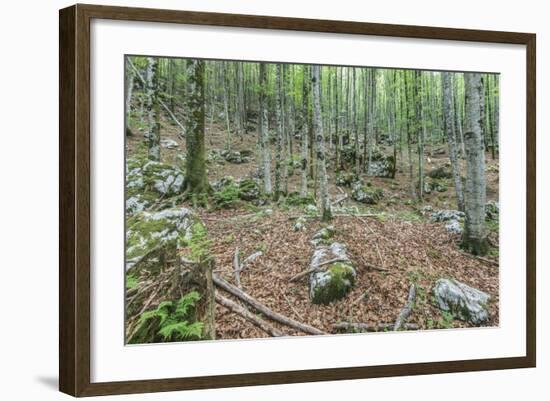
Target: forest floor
{"x":399,"y":238}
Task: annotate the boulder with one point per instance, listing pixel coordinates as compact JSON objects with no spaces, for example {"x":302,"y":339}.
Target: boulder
{"x":464,"y":302}
{"x":454,"y":227}
{"x":447,"y":215}
{"x":311,"y":210}
{"x":249,"y":189}
{"x":381,"y":165}
{"x":334,"y":280}
{"x":324,"y":234}
{"x":366,"y":194}
{"x":300,"y":224}
{"x":147,"y":181}
{"x":440,"y":172}
{"x":235,"y":156}
{"x":168,"y":143}
{"x":154,"y":237}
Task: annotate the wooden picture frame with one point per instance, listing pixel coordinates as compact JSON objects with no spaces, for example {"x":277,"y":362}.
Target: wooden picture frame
{"x":74,"y":199}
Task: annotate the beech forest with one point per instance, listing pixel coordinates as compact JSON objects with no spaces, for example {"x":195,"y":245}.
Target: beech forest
{"x":276,"y":199}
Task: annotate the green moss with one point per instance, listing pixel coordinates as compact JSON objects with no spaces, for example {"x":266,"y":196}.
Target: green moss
{"x":131,"y":282}
{"x":341,"y":279}
{"x":295,"y":199}
{"x":227,"y":196}
{"x":197,"y":242}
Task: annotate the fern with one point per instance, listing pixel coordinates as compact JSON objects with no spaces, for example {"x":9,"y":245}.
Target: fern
{"x":169,"y":321}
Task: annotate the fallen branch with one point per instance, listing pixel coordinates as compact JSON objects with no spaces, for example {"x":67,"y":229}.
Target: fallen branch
{"x":252,"y":318}
{"x":160,"y":101}
{"x":237,"y":268}
{"x":221,"y":283}
{"x":365,"y":327}
{"x":316,"y":268}
{"x":317,"y":216}
{"x":339,"y":200}
{"x":407,"y":309}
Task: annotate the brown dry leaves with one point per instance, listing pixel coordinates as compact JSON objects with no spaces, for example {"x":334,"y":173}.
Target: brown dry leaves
{"x":411,"y":252}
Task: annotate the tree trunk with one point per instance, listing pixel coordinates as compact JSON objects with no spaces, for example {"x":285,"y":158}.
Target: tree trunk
{"x":264,"y":133}
{"x":305,"y":132}
{"x":449,"y":129}
{"x":474,"y":238}
{"x":153,"y":112}
{"x":320,"y":142}
{"x":196,"y":179}
{"x":129,"y":92}
{"x":280,"y":132}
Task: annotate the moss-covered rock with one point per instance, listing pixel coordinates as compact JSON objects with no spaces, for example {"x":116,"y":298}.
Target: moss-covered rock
{"x":345,"y":178}
{"x":295,"y":199}
{"x":366,"y":194}
{"x":334,"y":280}
{"x":463,"y":302}
{"x":154,"y":237}
{"x":147,"y":181}
{"x":249,"y":189}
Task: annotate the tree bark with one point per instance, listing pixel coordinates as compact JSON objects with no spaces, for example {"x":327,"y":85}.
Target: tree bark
{"x":153,"y":117}
{"x":320,"y":145}
{"x":280,"y":132}
{"x":449,"y":129}
{"x":474,"y":238}
{"x":305,"y":133}
{"x":264,"y":133}
{"x":196,"y":179}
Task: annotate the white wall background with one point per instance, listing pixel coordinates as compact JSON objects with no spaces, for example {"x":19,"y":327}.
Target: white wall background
{"x":28,"y":197}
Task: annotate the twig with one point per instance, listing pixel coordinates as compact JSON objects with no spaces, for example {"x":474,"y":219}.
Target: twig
{"x":480,"y":258}
{"x":379,"y":254}
{"x":291,"y":306}
{"x":361,"y":297}
{"x":250,"y":259}
{"x":407,"y":309}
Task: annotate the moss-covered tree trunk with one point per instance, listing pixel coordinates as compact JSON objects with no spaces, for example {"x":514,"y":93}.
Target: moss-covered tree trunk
{"x":451,"y":136}
{"x":196,"y":179}
{"x":474,"y":238}
{"x":153,"y":110}
{"x":320,"y":142}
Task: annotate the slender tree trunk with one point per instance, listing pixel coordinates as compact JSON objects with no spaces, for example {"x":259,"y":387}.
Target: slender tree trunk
{"x":337,"y":121}
{"x":451,"y":137}
{"x":196,"y":179}
{"x":474,"y":238}
{"x":226,"y":105}
{"x":264,"y":133}
{"x":153,"y":110}
{"x":458,"y":116}
{"x":419,"y":123}
{"x":280,"y":132}
{"x":407,"y":128}
{"x":129,"y":91}
{"x":305,"y":131}
{"x":319,"y":139}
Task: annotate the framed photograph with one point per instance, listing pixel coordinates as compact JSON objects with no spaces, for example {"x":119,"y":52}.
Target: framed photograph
{"x":250,"y":200}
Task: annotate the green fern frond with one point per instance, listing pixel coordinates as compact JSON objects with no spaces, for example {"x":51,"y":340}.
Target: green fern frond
{"x":182,"y":330}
